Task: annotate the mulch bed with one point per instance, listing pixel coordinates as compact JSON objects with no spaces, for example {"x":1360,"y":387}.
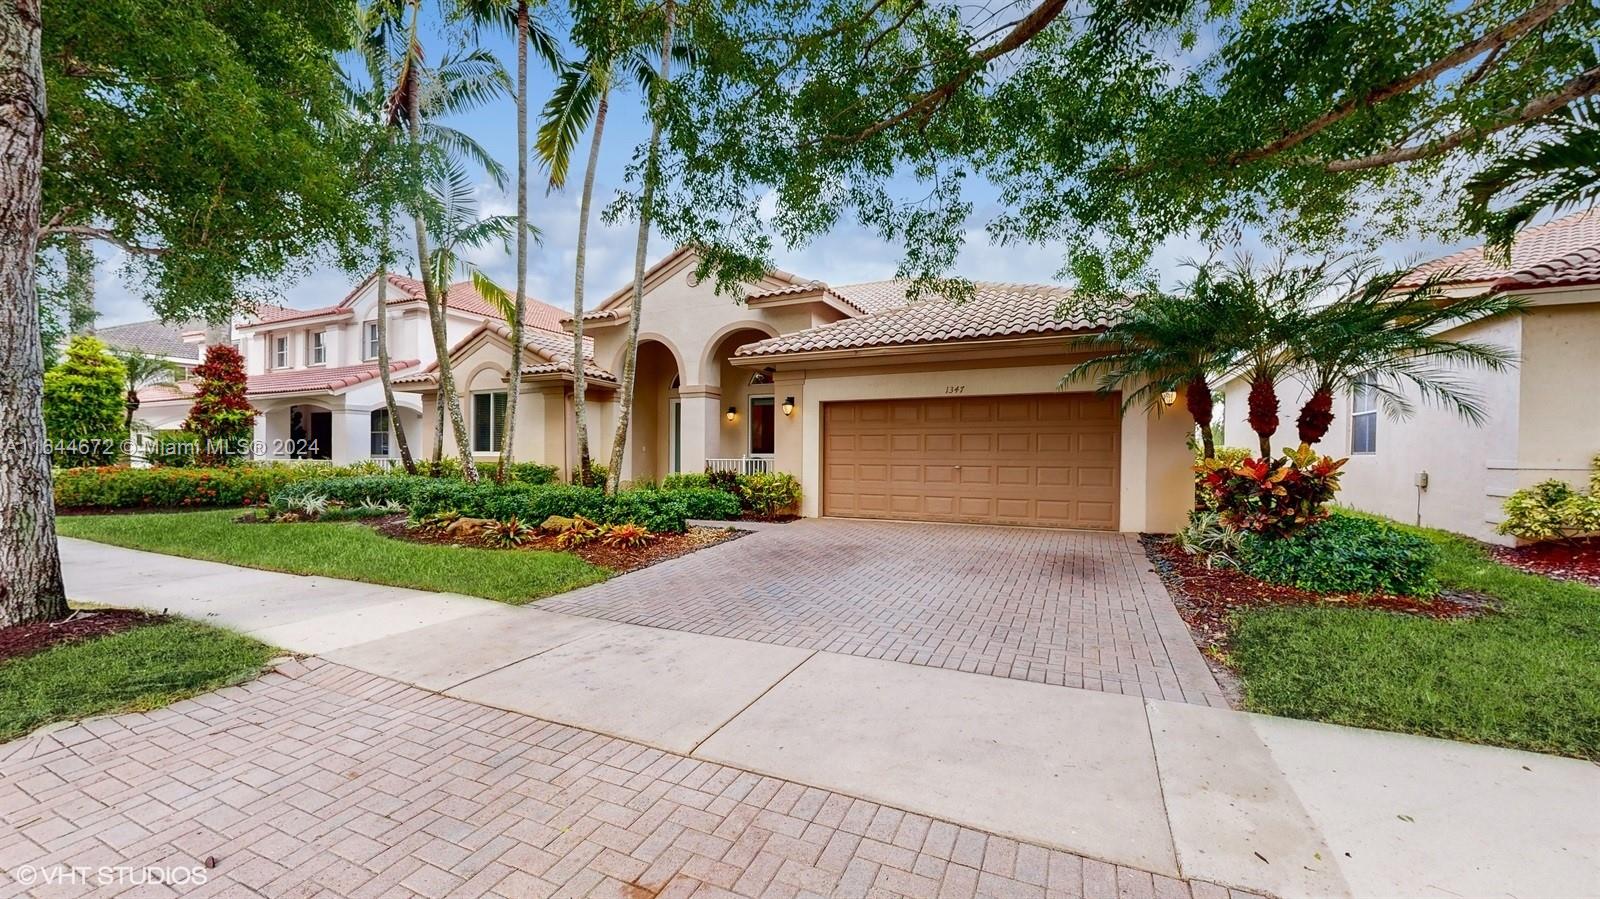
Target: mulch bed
{"x":1207,"y":597}
{"x":27,"y":639}
{"x":618,"y":559}
{"x":1578,"y":561}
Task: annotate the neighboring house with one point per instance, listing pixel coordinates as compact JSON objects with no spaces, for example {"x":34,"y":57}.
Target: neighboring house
{"x":882,"y":407}
{"x":314,"y":374}
{"x":1543,"y":415}
{"x":164,"y":407}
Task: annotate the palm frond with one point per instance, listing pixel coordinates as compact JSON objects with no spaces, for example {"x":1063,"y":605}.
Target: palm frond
{"x":460,"y":144}
{"x":567,"y":115}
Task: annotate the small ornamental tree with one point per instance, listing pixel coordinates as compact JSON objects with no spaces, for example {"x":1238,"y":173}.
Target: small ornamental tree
{"x":83,"y":397}
{"x":221,"y":418}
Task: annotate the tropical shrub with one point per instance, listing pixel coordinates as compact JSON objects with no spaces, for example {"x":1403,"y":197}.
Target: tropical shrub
{"x":1276,"y":497}
{"x":578,"y":533}
{"x":726,"y":481}
{"x":175,"y":449}
{"x":689,"y":480}
{"x":221,"y":417}
{"x":84,"y":406}
{"x":507,"y":534}
{"x":1554,"y":510}
{"x":597,"y":475}
{"x":530,"y":473}
{"x":1208,"y":536}
{"x":657,"y":510}
{"x":770,"y":493}
{"x":626,"y":536}
{"x":119,"y":487}
{"x":1344,"y":554}
{"x":707,"y":504}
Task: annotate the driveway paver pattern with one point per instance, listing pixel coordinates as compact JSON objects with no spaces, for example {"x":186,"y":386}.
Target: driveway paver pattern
{"x":321,"y":781}
{"x":1072,"y":608}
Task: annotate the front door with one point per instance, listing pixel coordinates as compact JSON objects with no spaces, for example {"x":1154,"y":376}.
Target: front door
{"x":762,"y":439}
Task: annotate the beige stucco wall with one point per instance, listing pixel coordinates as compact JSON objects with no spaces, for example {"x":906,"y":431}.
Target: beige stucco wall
{"x":1155,"y":489}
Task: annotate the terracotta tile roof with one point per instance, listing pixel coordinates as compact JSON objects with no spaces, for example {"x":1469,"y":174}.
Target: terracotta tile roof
{"x":995,"y":310}
{"x":311,"y":380}
{"x":1551,"y":254}
{"x":165,"y":393}
{"x":271,"y":313}
{"x":463,"y":297}
{"x":553,"y":351}
{"x":154,"y":337}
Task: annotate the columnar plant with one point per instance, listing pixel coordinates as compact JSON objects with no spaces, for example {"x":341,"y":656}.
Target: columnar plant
{"x":83,"y":405}
{"x":221,"y":418}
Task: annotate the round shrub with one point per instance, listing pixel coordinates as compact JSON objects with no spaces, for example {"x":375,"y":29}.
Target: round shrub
{"x":707,"y":504}
{"x":1343,"y":554}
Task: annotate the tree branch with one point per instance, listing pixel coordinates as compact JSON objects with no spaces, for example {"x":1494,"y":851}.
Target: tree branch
{"x":1584,"y":85}
{"x":101,"y":234}
{"x":929,"y":102}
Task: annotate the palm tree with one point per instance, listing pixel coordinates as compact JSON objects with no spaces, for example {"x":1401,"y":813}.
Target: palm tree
{"x":581,"y":99}
{"x":420,"y":97}
{"x":1558,"y":172}
{"x":143,"y":370}
{"x":516,"y":17}
{"x":1390,"y":338}
{"x":1159,"y":343}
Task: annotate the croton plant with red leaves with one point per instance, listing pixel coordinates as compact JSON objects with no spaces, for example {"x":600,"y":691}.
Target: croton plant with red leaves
{"x":1275,"y":497}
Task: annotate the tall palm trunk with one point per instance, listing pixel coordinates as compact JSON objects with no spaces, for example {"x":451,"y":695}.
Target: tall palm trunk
{"x":580,"y":403}
{"x":515,"y":388}
{"x":430,"y":293}
{"x":30,"y":565}
{"x":437,"y":461}
{"x":1264,"y":413}
{"x":647,"y":197}
{"x":383,"y":357}
{"x":1197,"y":397}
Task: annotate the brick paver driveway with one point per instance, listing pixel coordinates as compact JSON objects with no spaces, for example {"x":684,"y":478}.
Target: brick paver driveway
{"x":322,"y":782}
{"x":1074,"y":608}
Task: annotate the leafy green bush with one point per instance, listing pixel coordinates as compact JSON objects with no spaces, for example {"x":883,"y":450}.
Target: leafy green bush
{"x":770,"y":493}
{"x":1554,"y":510}
{"x":84,"y":409}
{"x":707,"y":504}
{"x":656,"y":510}
{"x":689,"y":480}
{"x":1344,"y":554}
{"x":530,"y":473}
{"x":174,"y":449}
{"x":118,"y":487}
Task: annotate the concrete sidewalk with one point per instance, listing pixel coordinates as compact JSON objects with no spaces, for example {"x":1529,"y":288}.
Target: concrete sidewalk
{"x":1265,"y":804}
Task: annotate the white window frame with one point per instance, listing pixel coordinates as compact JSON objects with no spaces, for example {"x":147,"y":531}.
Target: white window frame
{"x":369,"y":340}
{"x":280,"y":351}
{"x":1363,"y":390}
{"x":375,"y":433}
{"x":497,"y":436}
{"x":319,"y":347}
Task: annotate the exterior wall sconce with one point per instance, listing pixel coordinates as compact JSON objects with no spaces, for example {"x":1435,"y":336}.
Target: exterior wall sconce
{"x":788,"y":405}
{"x":733,"y":413}
{"x":1168,"y":397}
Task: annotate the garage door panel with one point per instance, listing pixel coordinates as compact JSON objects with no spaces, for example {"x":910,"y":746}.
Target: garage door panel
{"x":1048,"y":459}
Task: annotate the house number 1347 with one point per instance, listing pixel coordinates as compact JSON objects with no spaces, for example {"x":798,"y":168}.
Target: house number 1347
{"x":955,"y":388}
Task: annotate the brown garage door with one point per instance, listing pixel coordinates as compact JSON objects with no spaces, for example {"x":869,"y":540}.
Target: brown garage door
{"x":1049,"y":460}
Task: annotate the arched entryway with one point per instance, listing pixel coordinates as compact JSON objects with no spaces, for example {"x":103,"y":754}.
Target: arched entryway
{"x":655,"y":444}
{"x":746,"y":406}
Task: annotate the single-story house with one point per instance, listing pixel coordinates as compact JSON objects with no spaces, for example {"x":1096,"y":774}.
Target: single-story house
{"x":1438,"y":469}
{"x":882,"y":406}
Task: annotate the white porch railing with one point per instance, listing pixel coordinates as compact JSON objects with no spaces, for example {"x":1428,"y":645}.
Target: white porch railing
{"x":747,"y":465}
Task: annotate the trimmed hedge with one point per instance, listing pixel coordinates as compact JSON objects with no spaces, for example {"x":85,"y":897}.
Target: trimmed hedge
{"x":1344,"y":554}
{"x":120,"y":487}
{"x":707,"y":504}
{"x":654,"y":509}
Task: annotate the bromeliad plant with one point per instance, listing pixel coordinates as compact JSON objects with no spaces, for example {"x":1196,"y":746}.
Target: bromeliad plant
{"x":1272,"y":497}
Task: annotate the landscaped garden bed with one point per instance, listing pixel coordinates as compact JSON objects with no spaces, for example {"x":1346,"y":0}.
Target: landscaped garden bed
{"x":1578,"y":560}
{"x":618,"y":559}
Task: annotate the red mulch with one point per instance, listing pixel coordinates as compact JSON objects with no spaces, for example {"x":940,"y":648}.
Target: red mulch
{"x":27,"y":639}
{"x":618,"y":559}
{"x":1578,"y":561}
{"x":1206,"y":597}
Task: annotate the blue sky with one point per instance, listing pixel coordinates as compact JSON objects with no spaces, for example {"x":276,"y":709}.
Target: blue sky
{"x":848,"y":254}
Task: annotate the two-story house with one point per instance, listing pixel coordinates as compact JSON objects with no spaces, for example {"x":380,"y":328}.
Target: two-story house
{"x":314,"y":376}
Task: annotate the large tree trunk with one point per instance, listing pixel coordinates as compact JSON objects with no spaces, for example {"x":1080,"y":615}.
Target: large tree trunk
{"x":383,"y":356}
{"x":30,"y":565}
{"x":647,"y":197}
{"x":441,"y":342}
{"x":515,"y":388}
{"x":1197,"y":396}
{"x":1264,"y":413}
{"x":580,"y":403}
{"x":1315,"y":416}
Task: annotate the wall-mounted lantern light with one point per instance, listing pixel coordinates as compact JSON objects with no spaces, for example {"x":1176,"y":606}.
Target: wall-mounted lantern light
{"x":733,"y":413}
{"x":1168,"y":397}
{"x":788,"y":405}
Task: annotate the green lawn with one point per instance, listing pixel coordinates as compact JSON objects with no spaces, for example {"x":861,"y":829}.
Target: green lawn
{"x":143,"y":668}
{"x":345,"y":550}
{"x":1526,"y":677}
